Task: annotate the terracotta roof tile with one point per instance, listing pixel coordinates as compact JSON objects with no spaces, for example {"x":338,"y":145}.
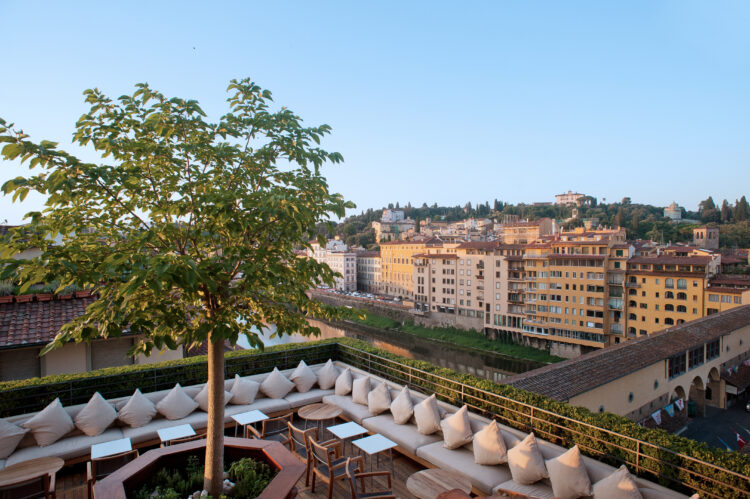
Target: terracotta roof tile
{"x":35,"y":323}
{"x":572,"y":377}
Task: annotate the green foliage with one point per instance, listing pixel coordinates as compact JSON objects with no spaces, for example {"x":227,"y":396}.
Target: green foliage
{"x":187,"y":228}
{"x":462,"y":337}
{"x":250,"y":477}
{"x":173,"y":483}
{"x":6,"y":288}
{"x":33,"y":394}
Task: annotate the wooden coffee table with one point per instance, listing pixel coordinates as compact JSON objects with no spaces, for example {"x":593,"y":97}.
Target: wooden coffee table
{"x":319,"y":412}
{"x":428,"y":484}
{"x":28,"y":470}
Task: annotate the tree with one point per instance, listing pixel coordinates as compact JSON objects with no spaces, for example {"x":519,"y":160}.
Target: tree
{"x":187,"y":233}
{"x":741,"y":211}
{"x":726,"y":212}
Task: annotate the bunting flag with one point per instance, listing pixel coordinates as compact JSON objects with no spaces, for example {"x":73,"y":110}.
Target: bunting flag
{"x":670,"y":410}
{"x":747,"y":362}
{"x":740,"y":441}
{"x":735,"y":369}
{"x":680,"y":404}
{"x":657,"y":416}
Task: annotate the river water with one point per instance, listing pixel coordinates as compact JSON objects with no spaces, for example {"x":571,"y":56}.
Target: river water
{"x":488,"y":365}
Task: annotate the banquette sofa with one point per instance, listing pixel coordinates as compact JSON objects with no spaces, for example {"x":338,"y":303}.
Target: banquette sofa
{"x":428,"y":449}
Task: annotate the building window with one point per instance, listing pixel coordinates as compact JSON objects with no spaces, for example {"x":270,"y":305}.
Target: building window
{"x":712,"y":350}
{"x":630,"y":397}
{"x":669,"y":307}
{"x":696,"y":357}
{"x":676,"y":365}
{"x":738,"y":300}
{"x":669,"y":283}
{"x":669,"y":295}
{"x":681,"y":284}
{"x":714,"y":298}
{"x":726,"y":299}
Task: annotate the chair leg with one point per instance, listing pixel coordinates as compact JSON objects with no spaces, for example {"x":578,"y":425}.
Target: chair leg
{"x":312,"y":489}
{"x":307,"y":474}
{"x":330,"y":488}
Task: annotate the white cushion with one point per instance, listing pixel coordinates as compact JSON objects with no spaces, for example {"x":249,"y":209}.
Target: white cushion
{"x":344,"y":383}
{"x":138,"y":411}
{"x":489,"y":446}
{"x":327,"y":375}
{"x":526,"y":461}
{"x":303,"y":377}
{"x":402,"y":407}
{"x":567,"y":473}
{"x":49,"y":425}
{"x":618,"y":485}
{"x":176,"y":404}
{"x":244,"y":390}
{"x":276,"y":385}
{"x":360,"y":390}
{"x":457,"y":429}
{"x":96,"y":416}
{"x":427,"y":415}
{"x":10,"y":435}
{"x":379,"y":399}
{"x":202,"y":398}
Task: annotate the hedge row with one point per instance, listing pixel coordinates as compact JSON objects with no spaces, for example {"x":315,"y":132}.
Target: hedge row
{"x":593,"y":440}
{"x":32,"y":395}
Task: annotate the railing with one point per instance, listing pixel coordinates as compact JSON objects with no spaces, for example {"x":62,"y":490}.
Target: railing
{"x":646,"y":458}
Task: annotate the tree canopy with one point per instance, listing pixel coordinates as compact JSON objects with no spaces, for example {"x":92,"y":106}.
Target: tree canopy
{"x":187,"y":229}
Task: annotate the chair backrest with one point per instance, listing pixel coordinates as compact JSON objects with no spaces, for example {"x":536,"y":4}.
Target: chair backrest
{"x":30,"y":489}
{"x":320,"y":453}
{"x":352,"y":478}
{"x":276,"y":425}
{"x":107,"y":465}
{"x":299,"y":439}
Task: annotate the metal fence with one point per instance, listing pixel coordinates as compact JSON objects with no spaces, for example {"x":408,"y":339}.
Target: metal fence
{"x":669,"y":467}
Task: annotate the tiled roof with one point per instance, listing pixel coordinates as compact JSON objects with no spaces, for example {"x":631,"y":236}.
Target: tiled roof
{"x":368,"y":254}
{"x":730,"y":280}
{"x":37,"y":323}
{"x":572,"y":377}
{"x":486,"y":245}
{"x":740,"y":379}
{"x":450,"y":256}
{"x":672,"y":260}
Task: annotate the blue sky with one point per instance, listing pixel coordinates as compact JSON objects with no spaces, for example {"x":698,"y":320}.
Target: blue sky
{"x":441,"y":102}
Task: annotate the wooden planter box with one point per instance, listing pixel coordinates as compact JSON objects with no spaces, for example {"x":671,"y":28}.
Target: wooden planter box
{"x":83,"y":294}
{"x":24,"y":298}
{"x":44,"y":296}
{"x":6,"y":299}
{"x":131,"y":477}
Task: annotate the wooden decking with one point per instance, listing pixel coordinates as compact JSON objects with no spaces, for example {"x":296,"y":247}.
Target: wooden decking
{"x":71,"y":482}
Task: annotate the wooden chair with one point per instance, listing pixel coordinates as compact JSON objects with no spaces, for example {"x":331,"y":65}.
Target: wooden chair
{"x":96,"y":469}
{"x":329,"y":465}
{"x":299,"y":444}
{"x":364,"y":493}
{"x":38,"y":487}
{"x":275,"y":429}
{"x":175,"y":441}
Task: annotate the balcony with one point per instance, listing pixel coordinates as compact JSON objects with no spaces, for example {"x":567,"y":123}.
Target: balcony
{"x":632,"y":284}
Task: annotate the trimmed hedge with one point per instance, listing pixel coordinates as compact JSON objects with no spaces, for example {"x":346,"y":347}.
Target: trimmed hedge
{"x":18,"y":397}
{"x":446,"y":384}
{"x":32,"y":395}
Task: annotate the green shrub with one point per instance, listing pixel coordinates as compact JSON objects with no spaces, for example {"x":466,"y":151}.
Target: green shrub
{"x":6,"y":288}
{"x":250,"y":477}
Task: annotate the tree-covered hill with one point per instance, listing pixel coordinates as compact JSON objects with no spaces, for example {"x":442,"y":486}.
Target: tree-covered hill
{"x":642,"y":221}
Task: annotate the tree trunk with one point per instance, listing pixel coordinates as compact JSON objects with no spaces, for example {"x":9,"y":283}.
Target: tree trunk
{"x":213,"y":477}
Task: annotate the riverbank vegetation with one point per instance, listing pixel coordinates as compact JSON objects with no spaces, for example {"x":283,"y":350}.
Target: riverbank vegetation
{"x":460,"y":337}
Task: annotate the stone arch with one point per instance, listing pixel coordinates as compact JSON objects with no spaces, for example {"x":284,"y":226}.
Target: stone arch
{"x":697,"y":394}
{"x":678,"y":393}
{"x":716,"y":395}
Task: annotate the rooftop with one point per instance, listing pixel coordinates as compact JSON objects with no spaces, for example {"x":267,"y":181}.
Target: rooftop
{"x":565,"y":380}
{"x":37,"y":323}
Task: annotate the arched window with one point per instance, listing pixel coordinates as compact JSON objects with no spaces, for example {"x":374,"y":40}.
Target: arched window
{"x":632,"y":317}
{"x":631,"y":330}
{"x":669,"y":307}
{"x":680,"y":321}
{"x":669,"y":321}
{"x":668,"y":294}
{"x":681,"y":308}
{"x":632,"y":292}
{"x":632,"y":303}
{"x":681,"y":296}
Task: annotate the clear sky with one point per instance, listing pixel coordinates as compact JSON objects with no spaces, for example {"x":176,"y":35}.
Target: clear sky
{"x":441,"y":102}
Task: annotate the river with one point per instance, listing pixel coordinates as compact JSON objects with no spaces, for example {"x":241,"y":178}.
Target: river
{"x":487,"y":365}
